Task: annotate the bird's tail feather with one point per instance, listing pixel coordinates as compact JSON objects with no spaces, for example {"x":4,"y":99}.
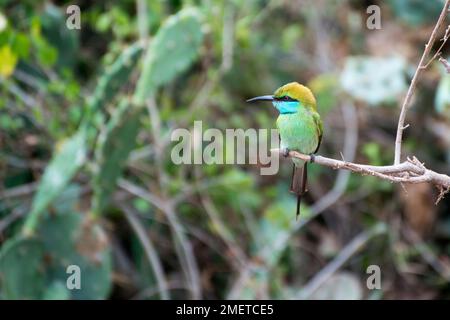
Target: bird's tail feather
{"x":298,"y":184}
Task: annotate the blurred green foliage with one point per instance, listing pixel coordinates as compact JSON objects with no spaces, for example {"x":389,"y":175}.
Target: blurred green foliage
{"x":416,"y":12}
{"x":85,"y":123}
{"x":442,"y":100}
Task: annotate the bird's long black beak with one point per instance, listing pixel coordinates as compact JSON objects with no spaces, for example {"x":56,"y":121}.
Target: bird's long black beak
{"x":261,"y":98}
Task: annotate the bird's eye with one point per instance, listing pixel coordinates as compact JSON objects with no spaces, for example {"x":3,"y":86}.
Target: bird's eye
{"x":284,"y":98}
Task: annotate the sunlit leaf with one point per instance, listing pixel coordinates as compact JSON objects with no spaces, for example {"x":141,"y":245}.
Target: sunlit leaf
{"x":174,"y":48}
{"x":8,"y":61}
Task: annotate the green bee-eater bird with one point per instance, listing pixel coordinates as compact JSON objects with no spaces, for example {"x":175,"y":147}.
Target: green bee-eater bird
{"x":300,"y":129}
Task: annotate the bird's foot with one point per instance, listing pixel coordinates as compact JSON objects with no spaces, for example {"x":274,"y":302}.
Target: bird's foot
{"x":312,"y":157}
{"x":285,"y":152}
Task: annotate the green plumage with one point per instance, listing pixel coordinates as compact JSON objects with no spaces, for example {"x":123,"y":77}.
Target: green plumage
{"x":300,"y":128}
{"x":300,"y":131}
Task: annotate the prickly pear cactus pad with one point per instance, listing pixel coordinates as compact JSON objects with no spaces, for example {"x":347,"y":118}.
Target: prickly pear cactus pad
{"x":174,"y":48}
{"x":115,"y":76}
{"x":64,"y":165}
{"x":22,"y":272}
{"x":114,"y":146}
{"x":71,"y":239}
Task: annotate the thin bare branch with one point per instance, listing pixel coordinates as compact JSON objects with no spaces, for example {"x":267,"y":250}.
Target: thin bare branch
{"x":445,"y":63}
{"x":19,"y":191}
{"x":441,"y":266}
{"x":410,"y":171}
{"x":350,"y":146}
{"x":143,"y":19}
{"x":345,"y":254}
{"x":439,"y":50}
{"x":150,"y":251}
{"x":223,"y":231}
{"x":182,"y":244}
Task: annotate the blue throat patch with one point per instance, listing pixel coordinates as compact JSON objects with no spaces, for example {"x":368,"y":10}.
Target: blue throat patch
{"x":286,"y":106}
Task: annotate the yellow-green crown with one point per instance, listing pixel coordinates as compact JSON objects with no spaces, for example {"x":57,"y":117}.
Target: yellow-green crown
{"x":298,"y":92}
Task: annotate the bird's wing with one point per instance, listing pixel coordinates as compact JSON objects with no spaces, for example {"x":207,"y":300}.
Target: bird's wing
{"x":319,"y":127}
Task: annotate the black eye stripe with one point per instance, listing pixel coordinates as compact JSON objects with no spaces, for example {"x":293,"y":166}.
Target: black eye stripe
{"x":285,"y":98}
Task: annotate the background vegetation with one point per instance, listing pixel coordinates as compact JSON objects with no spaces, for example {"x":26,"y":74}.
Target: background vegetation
{"x":86,"y":177}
